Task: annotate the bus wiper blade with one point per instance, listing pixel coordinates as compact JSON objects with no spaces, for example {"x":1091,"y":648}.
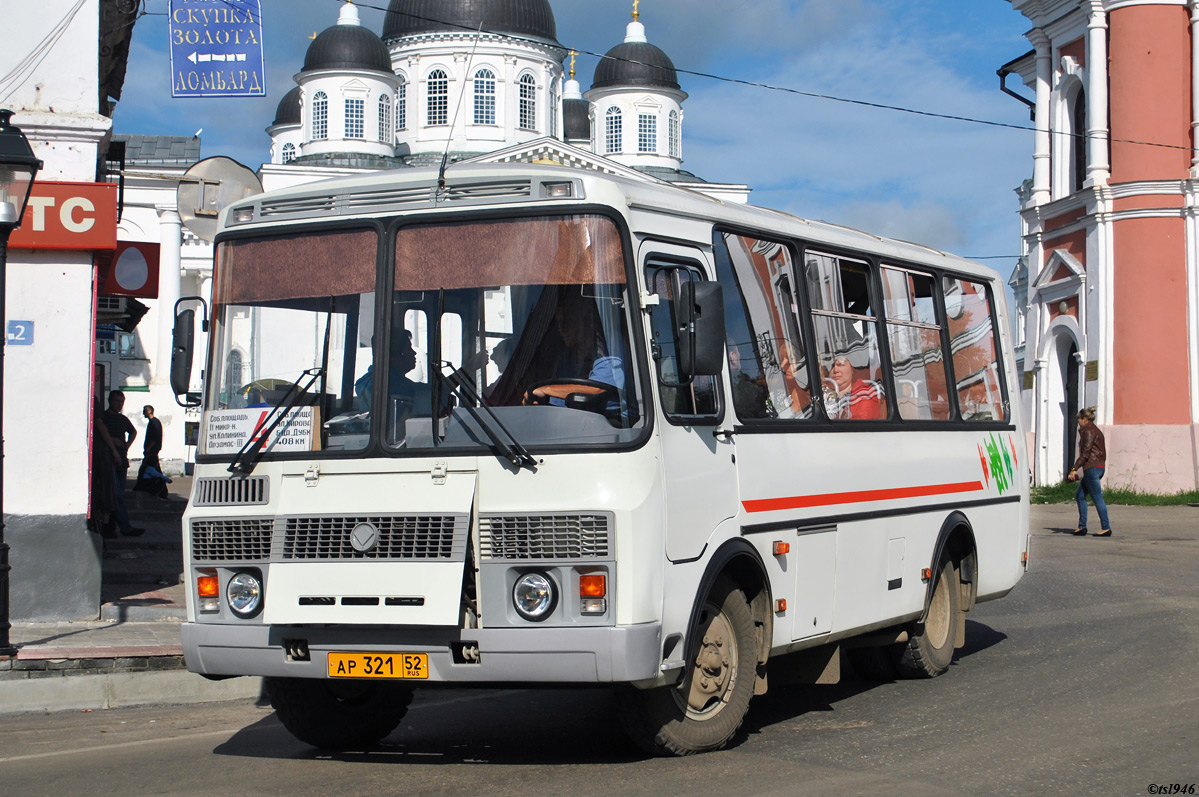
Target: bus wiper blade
{"x":249,"y":455}
{"x":512,"y":450}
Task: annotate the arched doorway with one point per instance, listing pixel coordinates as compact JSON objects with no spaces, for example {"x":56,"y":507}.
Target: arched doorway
{"x":1059,"y":396}
{"x":1069,"y":366}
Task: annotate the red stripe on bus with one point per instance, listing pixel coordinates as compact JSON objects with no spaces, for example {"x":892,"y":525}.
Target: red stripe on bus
{"x":861,"y":496}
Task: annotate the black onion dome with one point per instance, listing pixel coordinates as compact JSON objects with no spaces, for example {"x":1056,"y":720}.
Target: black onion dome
{"x":347,"y":47}
{"x":636,"y":64}
{"x":576,"y":120}
{"x":533,"y":19}
{"x":288,"y":112}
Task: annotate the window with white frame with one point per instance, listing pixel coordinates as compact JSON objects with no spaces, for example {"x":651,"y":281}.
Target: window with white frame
{"x":612,"y":129}
{"x":674,"y":137}
{"x":289,"y":152}
{"x":355,"y":118}
{"x":528,"y":102}
{"x":320,"y":116}
{"x":647,"y":132}
{"x":484,"y":97}
{"x":438,"y":99}
{"x":402,"y":105}
{"x":385,"y":104}
{"x":554,"y":106}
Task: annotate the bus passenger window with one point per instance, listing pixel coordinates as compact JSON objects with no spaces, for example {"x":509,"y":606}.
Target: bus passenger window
{"x":699,"y":397}
{"x":975,"y":351}
{"x":915,"y":337}
{"x":846,"y":338}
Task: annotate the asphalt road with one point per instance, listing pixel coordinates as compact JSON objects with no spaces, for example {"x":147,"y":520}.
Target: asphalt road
{"x":1083,"y":681}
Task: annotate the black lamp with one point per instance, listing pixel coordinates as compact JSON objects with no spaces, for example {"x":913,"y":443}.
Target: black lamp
{"x":18,"y":167}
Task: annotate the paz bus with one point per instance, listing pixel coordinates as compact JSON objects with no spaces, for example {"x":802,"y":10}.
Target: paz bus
{"x":524,"y":424}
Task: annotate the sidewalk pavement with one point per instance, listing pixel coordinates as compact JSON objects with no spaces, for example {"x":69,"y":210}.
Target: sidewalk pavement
{"x":131,"y":654}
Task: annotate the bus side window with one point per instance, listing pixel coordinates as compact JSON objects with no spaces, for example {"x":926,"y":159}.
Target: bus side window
{"x":699,"y":397}
{"x":975,"y":351}
{"x":915,"y":337}
{"x":846,"y":338}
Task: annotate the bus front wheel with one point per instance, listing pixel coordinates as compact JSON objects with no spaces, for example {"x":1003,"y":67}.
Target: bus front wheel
{"x":707,"y":706}
{"x":929,"y":649}
{"x":338,"y":715}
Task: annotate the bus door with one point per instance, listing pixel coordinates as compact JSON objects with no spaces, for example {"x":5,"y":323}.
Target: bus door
{"x":699,"y":471}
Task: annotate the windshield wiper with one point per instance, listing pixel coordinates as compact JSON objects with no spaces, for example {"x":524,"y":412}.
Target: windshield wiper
{"x":511,"y":449}
{"x":249,"y":455}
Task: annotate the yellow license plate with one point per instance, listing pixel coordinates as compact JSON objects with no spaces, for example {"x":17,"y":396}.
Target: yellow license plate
{"x":378,"y":665}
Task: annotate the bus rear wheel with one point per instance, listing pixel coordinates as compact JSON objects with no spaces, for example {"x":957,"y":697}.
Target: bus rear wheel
{"x":338,"y":715}
{"x":929,"y":649}
{"x":707,"y":706}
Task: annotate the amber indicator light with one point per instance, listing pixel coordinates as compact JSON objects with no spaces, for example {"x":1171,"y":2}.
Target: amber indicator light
{"x":208,"y":586}
{"x":593,"y":586}
{"x":781,"y":548}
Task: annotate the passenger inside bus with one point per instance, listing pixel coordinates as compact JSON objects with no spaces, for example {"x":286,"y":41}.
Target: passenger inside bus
{"x":852,"y":396}
{"x":400,"y":387}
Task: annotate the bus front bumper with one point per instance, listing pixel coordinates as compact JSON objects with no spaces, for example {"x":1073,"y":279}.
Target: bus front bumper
{"x":609,"y":654}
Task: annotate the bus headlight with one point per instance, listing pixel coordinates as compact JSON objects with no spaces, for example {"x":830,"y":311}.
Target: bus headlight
{"x":244,"y":593}
{"x":534,"y":596}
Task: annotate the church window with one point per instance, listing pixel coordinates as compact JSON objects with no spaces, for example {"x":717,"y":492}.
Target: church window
{"x":402,"y":105}
{"x":384,"y":118}
{"x":647,"y":133}
{"x":289,"y":152}
{"x":320,"y":116}
{"x":554,"y":106}
{"x":612,"y":131}
{"x":1078,"y":143}
{"x":484,"y":97}
{"x":438,"y":102}
{"x":673,"y":135}
{"x":528,"y":102}
{"x":355,"y":118}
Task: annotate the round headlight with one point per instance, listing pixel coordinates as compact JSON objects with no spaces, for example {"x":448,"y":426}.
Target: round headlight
{"x":244,"y":593}
{"x":533,"y":596}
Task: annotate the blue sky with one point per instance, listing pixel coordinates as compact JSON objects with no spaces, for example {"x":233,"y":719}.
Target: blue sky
{"x":943,"y":183}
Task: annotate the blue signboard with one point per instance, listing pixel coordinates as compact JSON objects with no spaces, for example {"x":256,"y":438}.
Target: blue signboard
{"x":20,"y":333}
{"x":216,"y":48}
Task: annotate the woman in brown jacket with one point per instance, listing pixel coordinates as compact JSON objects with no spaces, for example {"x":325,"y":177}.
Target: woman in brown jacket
{"x":1088,"y":470}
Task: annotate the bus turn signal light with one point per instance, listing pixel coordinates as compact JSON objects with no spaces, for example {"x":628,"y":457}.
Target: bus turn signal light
{"x":208,"y":586}
{"x":781,"y":548}
{"x":926,"y":574}
{"x":780,"y":605}
{"x":593,"y":586}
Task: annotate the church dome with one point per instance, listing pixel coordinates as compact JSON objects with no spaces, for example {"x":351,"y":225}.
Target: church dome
{"x":526,"y":18}
{"x":288,"y":112}
{"x":636,"y":63}
{"x":347,"y":45}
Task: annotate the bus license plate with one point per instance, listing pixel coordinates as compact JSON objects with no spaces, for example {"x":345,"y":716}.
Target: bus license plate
{"x":378,"y":665}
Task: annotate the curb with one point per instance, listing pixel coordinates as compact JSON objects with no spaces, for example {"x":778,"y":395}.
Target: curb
{"x":121,"y":690}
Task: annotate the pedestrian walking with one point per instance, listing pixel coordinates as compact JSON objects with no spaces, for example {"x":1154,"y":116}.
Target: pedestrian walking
{"x":121,"y":430}
{"x":150,"y":477}
{"x":1088,"y":470}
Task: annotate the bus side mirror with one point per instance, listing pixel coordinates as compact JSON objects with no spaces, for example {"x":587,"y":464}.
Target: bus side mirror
{"x":181,"y":351}
{"x":700,"y":314}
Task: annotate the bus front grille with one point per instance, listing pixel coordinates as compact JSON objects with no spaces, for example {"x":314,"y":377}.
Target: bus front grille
{"x":400,"y":537}
{"x":231,"y":540}
{"x":534,"y":536}
{"x":231,"y":491}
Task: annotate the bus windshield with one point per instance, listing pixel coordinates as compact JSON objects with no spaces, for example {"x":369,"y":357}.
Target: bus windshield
{"x":512,"y":327}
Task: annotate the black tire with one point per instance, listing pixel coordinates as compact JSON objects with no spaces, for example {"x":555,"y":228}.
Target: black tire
{"x":929,"y":649}
{"x":707,"y":706}
{"x":874,"y":663}
{"x":338,"y":715}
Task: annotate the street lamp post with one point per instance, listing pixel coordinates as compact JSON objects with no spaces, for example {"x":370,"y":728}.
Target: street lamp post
{"x":18,"y":167}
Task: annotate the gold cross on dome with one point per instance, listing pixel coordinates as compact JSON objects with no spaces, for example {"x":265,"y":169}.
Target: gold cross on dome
{"x":636,"y":13}
{"x":573,"y":53}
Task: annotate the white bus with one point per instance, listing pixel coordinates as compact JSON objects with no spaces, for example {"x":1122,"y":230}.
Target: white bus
{"x":543,"y":425}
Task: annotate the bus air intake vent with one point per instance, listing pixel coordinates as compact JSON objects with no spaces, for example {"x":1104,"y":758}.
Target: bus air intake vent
{"x":232,"y":540}
{"x":399,"y":537}
{"x":236,"y":491}
{"x":573,"y":536}
{"x":469,"y":191}
{"x":286,"y":207}
{"x":388,"y":198}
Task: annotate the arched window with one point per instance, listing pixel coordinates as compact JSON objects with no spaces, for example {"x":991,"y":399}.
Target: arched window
{"x":647,"y":133}
{"x":528,"y":102}
{"x":674,"y":136}
{"x":612,"y":130}
{"x":355,"y":118}
{"x":438,"y":101}
{"x":385,"y":132}
{"x":554,"y":106}
{"x":484,"y":97}
{"x":402,"y":105}
{"x":289,"y":152}
{"x":1078,"y":113}
{"x":320,"y":116}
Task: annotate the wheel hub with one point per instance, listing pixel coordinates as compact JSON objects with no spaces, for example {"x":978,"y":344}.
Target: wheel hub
{"x":713,"y":666}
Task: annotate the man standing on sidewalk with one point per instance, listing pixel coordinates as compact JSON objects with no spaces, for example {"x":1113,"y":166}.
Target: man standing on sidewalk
{"x":123,"y":434}
{"x":150,"y":448}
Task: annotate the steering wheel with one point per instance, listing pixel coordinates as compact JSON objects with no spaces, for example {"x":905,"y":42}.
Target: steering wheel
{"x":581,"y":394}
